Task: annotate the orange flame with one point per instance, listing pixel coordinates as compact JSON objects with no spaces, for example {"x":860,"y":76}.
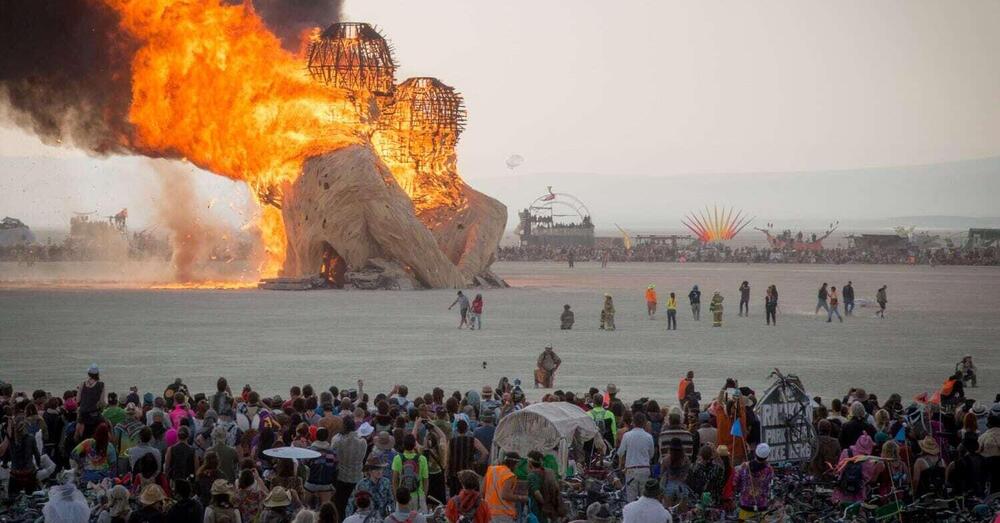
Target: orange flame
{"x":213,"y":85}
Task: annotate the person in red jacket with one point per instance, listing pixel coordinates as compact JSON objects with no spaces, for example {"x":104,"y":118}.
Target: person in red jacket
{"x":468,"y":502}
{"x":475,"y":317}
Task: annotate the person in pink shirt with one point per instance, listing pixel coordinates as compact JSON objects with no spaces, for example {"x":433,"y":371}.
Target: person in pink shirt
{"x":855,"y":475}
{"x":180,"y":410}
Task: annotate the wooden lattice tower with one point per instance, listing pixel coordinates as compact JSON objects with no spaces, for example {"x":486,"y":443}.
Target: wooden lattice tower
{"x":425,"y":119}
{"x":353,"y":56}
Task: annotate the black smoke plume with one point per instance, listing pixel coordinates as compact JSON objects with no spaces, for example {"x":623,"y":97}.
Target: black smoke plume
{"x":65,"y":70}
{"x":288,"y":18}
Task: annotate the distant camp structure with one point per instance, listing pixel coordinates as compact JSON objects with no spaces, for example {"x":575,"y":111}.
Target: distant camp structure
{"x":713,"y":225}
{"x":556,"y":220}
{"x":786,"y":241}
{"x":14,"y":232}
{"x":983,"y":238}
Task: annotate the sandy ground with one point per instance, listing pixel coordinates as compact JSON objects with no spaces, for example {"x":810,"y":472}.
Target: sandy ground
{"x":49,"y":335}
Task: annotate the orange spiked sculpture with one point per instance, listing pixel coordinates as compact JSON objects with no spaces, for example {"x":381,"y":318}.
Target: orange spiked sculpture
{"x":711,"y":225}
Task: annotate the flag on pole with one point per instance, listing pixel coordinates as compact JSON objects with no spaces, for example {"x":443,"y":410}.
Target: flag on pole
{"x":737,"y":430}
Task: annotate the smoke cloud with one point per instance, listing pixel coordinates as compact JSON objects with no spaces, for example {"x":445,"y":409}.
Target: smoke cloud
{"x":64,"y":72}
{"x":287,"y":19}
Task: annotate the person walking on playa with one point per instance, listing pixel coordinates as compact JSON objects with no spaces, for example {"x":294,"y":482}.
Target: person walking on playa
{"x":771,"y":305}
{"x":608,"y":314}
{"x":715,"y":307}
{"x":695,"y":298}
{"x":548,"y":363}
{"x":821,"y":300}
{"x":882,"y":300}
{"x":834,"y":306}
{"x":848,"y":292}
{"x":672,"y":312}
{"x":651,"y":301}
{"x":566,"y":319}
{"x":745,"y":298}
{"x":605,"y":256}
{"x":476,"y":313}
{"x":463,"y":309}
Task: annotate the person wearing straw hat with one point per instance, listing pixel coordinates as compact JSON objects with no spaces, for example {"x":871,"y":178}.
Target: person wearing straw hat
{"x":276,"y":506}
{"x":646,"y":509}
{"x":376,"y":486}
{"x":928,"y":469}
{"x":151,"y":501}
{"x":221,"y":510}
{"x":117,"y":507}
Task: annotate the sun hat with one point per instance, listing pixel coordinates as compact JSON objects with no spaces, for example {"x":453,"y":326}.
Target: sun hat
{"x":151,"y":495}
{"x":278,"y":497}
{"x":723,"y":451}
{"x":929,"y":446}
{"x":374,"y":463}
{"x":366,"y":429}
{"x":93,"y":369}
{"x":979,"y":410}
{"x":221,"y":486}
{"x":763,"y":450}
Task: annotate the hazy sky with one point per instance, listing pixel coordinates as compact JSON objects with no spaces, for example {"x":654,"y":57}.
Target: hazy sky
{"x":655,"y":88}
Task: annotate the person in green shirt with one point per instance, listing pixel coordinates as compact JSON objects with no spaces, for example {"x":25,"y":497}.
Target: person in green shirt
{"x":604,"y":419}
{"x":114,"y":413}
{"x":410,"y":471}
{"x":543,"y":490}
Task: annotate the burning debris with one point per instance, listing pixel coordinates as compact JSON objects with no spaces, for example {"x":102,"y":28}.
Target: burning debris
{"x":212,"y":84}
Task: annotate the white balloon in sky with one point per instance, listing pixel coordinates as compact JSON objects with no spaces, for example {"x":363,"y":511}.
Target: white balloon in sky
{"x":514,"y":160}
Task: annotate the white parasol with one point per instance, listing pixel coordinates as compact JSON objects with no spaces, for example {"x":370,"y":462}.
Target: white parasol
{"x":291,"y":453}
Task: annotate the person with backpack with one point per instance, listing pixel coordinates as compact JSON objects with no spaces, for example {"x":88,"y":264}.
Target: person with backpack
{"x":410,"y":473}
{"x":322,"y":470}
{"x":854,"y":472}
{"x":928,"y":469}
{"x":403,"y":513}
{"x":467,"y":505}
{"x":604,"y":419}
{"x":694,"y":297}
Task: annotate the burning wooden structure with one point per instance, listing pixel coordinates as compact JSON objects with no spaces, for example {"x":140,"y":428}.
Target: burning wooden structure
{"x":353,"y":56}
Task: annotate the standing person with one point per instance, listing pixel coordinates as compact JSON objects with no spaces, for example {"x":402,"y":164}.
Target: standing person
{"x":672,"y":312}
{"x":648,"y":508}
{"x":411,"y":473}
{"x":651,"y":301}
{"x":570,"y":258}
{"x":695,"y":298}
{"x":745,"y":298}
{"x":476,"y":316}
{"x":834,"y":306}
{"x":821,"y":300}
{"x":500,"y":489}
{"x":376,"y":487}
{"x":715,"y":307}
{"x":753,"y":485}
{"x":463,"y":309}
{"x":882,"y":300}
{"x":92,"y":397}
{"x":604,"y":419}
{"x":180,"y":462}
{"x":545,"y":500}
{"x":636,"y":453}
{"x":605,"y":256}
{"x":467,"y":504}
{"x":548,"y":363}
{"x":771,"y":305}
{"x":323,"y":469}
{"x":22,"y":456}
{"x":566,"y":319}
{"x":848,"y":292}
{"x":351,"y":450}
{"x":608,"y":314}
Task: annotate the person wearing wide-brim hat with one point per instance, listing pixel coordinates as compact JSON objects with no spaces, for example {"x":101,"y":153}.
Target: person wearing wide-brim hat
{"x":221,"y":508}
{"x":377,"y":484}
{"x":276,"y":505}
{"x":151,"y":501}
{"x":928,"y":468}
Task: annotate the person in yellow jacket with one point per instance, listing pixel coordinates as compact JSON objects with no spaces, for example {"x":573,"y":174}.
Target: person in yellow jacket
{"x":651,"y":300}
{"x":672,"y":312}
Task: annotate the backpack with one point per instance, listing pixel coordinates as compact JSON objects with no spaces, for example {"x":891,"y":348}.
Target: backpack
{"x":410,"y":475}
{"x":604,"y":428}
{"x":932,"y":480}
{"x":323,"y":470}
{"x":852,"y":479}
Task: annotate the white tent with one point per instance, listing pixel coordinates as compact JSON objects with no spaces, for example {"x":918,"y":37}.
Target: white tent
{"x":546,"y":427}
